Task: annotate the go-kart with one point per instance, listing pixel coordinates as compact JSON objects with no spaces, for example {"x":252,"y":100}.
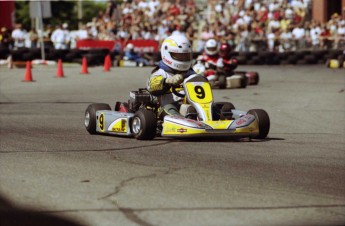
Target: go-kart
{"x":139,"y":116}
{"x":222,"y":81}
{"x":239,"y":79}
{"x":252,"y":76}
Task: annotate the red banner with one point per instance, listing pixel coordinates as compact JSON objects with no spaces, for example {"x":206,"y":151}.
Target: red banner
{"x":7,"y":9}
{"x":147,"y":46}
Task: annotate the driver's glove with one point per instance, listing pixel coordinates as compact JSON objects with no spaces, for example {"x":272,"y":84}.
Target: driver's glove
{"x":174,"y":80}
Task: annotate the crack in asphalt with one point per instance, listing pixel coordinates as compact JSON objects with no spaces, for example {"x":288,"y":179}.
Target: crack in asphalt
{"x":203,"y":208}
{"x":90,"y":150}
{"x":129,"y":213}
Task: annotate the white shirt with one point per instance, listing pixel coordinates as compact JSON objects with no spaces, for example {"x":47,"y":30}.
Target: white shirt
{"x":19,"y":37}
{"x":58,"y":36}
{"x":315,"y":35}
{"x":298,"y":33}
{"x":153,"y":4}
{"x":341,"y":31}
{"x":82,"y":34}
{"x":59,"y":39}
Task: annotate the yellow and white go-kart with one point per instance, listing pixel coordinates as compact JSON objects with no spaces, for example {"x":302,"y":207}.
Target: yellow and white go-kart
{"x":139,"y":117}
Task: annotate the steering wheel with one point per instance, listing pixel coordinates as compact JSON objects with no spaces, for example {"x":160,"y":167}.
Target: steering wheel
{"x":174,"y":90}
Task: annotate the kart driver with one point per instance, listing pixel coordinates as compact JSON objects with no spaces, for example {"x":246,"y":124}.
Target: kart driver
{"x":230,"y":63}
{"x":175,"y":66}
{"x":130,"y":54}
{"x":212,"y":61}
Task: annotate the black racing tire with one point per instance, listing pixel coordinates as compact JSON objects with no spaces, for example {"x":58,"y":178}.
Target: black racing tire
{"x":244,"y":81}
{"x":217,"y":107}
{"x":222,"y":103}
{"x":222,"y":81}
{"x":144,"y":125}
{"x":264,"y":122}
{"x":90,"y":116}
{"x":257,"y":79}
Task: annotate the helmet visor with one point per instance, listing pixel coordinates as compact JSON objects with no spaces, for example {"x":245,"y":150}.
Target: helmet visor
{"x":212,"y":49}
{"x":181,"y":56}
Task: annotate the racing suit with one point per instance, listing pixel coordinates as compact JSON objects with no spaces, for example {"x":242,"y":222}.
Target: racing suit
{"x":169,"y":102}
{"x":213,"y":64}
{"x":230,"y":64}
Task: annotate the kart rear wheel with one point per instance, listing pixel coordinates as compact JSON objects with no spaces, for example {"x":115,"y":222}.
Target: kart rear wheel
{"x":264,"y":122}
{"x":222,"y":81}
{"x":90,"y":116}
{"x":257,"y":78}
{"x":220,"y":107}
{"x":244,"y":81}
{"x":144,"y":125}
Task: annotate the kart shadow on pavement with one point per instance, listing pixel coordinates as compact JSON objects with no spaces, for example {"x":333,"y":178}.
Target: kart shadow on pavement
{"x":11,"y":215}
{"x":221,"y":139}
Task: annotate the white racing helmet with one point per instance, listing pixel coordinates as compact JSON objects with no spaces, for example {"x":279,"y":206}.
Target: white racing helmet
{"x":211,"y":47}
{"x":130,"y":46}
{"x":176,"y":52}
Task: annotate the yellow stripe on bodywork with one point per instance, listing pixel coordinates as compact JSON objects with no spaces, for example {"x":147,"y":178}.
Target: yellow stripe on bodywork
{"x":119,"y":126}
{"x":252,"y":128}
{"x":219,"y":124}
{"x":174,"y":129}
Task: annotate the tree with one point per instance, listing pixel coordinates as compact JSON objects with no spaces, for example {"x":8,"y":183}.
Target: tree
{"x":62,"y":11}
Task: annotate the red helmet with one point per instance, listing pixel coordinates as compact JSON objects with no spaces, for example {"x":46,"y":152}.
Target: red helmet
{"x":224,"y":50}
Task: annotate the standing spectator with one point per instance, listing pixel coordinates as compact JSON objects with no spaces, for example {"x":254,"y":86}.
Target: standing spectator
{"x":59,"y":38}
{"x":325,"y":38}
{"x":315,"y":33}
{"x":286,"y":44}
{"x":18,"y":35}
{"x":33,"y":36}
{"x":82,"y":33}
{"x":5,"y":38}
{"x":47,"y":33}
{"x":242,"y":37}
{"x":67,"y":35}
{"x":270,"y":40}
{"x":340,"y":36}
{"x":298,"y":33}
{"x":206,"y":34}
{"x":103,"y":33}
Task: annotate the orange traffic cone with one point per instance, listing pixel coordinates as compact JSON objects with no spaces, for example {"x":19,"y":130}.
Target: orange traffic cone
{"x":28,"y":74}
{"x":84,"y":69}
{"x":107,"y":63}
{"x":59,"y":71}
{"x":9,"y":62}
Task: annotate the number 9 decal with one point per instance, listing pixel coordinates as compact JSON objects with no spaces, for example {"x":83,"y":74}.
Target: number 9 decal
{"x":101,"y":122}
{"x":200,"y":92}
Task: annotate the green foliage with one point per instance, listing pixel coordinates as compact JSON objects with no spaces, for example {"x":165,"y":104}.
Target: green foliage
{"x":22,"y":14}
{"x":91,"y":9}
{"x":62,"y":11}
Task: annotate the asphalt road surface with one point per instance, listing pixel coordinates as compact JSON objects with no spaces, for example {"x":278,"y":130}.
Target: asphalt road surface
{"x":51,"y":166}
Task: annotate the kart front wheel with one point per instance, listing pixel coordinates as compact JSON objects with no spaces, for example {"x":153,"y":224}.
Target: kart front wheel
{"x":263,"y":121}
{"x":90,"y":116}
{"x":144,"y":125}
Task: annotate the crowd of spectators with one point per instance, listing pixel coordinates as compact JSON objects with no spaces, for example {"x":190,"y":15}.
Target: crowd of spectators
{"x":247,"y":25}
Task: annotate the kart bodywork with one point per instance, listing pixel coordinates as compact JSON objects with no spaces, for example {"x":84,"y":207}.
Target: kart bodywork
{"x":239,"y":79}
{"x":139,"y":117}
